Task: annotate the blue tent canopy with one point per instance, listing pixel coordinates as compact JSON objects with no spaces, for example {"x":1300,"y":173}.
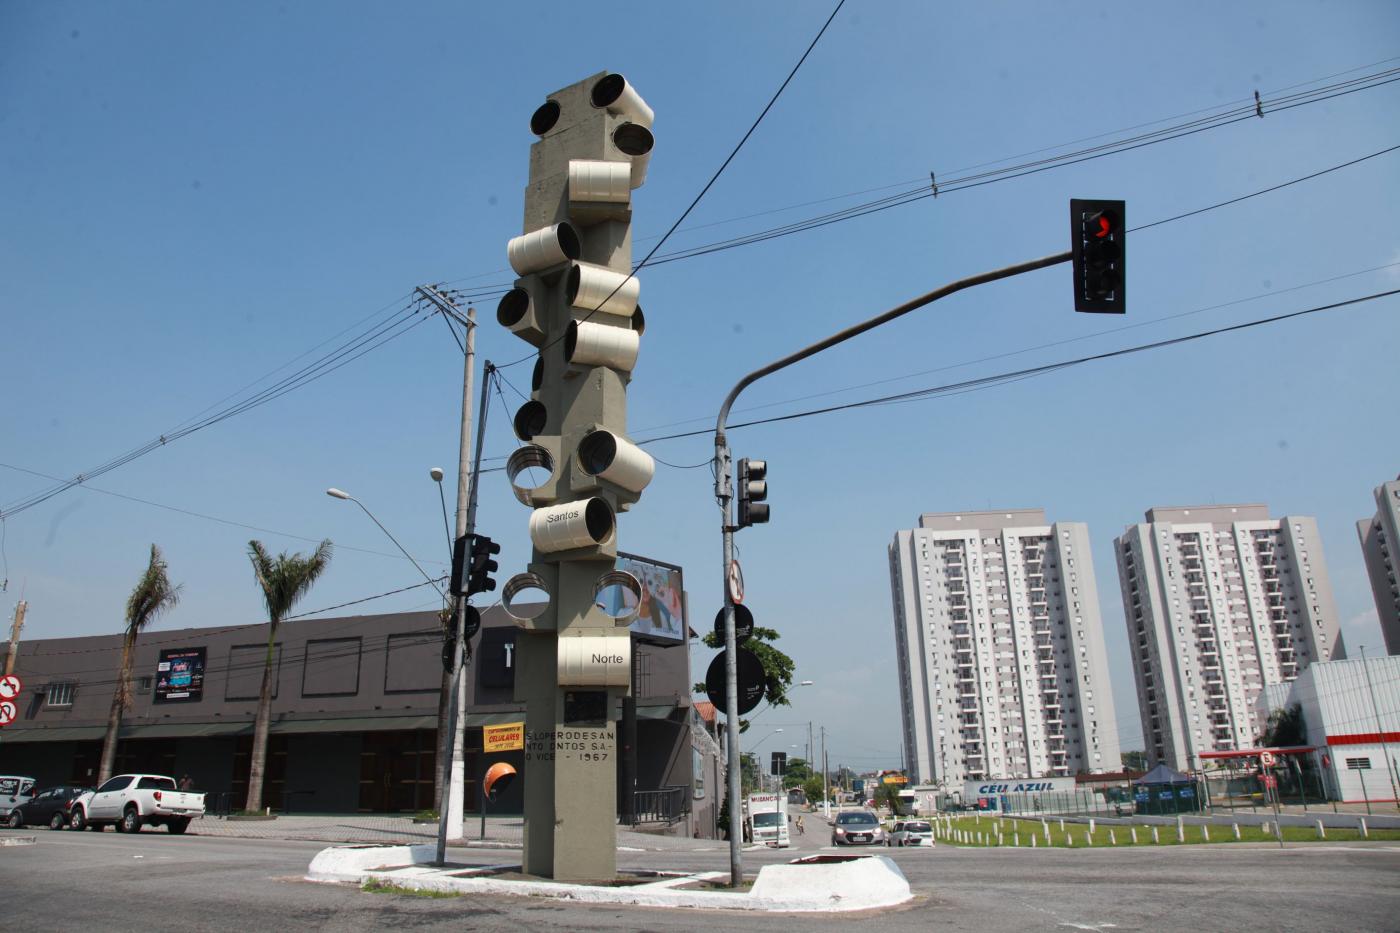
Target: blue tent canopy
{"x":1163,"y":775}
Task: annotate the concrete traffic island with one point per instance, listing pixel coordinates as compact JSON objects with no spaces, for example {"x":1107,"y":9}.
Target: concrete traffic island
{"x":823,"y":883}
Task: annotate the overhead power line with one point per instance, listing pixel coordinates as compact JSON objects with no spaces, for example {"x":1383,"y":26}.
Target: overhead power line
{"x":912,"y":192}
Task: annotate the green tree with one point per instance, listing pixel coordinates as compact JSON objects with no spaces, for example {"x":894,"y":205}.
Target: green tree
{"x":887,"y":795}
{"x":284,"y":580}
{"x":1284,"y":727}
{"x":797,"y":773}
{"x":777,"y":667}
{"x":1134,"y":760}
{"x":813,"y":789}
{"x":152,"y":596}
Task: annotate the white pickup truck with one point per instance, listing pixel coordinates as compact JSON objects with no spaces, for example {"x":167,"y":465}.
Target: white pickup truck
{"x":130,"y":801}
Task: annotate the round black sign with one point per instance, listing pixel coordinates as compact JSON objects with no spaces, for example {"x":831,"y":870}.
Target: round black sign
{"x":743,"y":625}
{"x":750,"y":675}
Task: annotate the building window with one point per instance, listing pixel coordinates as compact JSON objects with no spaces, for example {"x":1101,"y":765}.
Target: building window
{"x":143,"y":684}
{"x":60,"y":694}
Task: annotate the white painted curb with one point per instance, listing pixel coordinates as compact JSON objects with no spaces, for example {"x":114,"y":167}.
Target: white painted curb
{"x":354,"y":863}
{"x":858,"y":883}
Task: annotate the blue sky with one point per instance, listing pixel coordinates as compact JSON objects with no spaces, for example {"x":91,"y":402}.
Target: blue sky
{"x":195,"y":194}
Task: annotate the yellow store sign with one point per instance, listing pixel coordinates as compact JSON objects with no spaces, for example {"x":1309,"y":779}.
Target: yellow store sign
{"x":509,"y":737}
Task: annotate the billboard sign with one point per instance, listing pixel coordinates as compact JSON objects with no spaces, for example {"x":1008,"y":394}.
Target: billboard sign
{"x":180,"y":676}
{"x":661,"y":616}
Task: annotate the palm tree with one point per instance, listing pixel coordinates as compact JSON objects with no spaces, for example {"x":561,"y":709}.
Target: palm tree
{"x":152,"y":596}
{"x":284,"y":580}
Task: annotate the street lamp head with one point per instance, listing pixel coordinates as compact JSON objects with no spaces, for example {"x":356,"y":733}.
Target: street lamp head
{"x":806,"y":683}
{"x":436,"y":474}
{"x":337,"y":493}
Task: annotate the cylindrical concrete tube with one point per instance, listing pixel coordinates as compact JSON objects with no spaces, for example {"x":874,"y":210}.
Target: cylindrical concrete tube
{"x":614,"y":93}
{"x":542,"y":248}
{"x":531,"y":456}
{"x":514,"y":305}
{"x":629,"y":584}
{"x":635,"y":141}
{"x":572,"y":525}
{"x":530,"y":419}
{"x":591,"y":180}
{"x":544,"y":118}
{"x":590,"y":344}
{"x":619,"y":461}
{"x":597,"y":288}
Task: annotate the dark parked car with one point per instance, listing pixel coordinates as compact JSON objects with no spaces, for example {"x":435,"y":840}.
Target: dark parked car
{"x":49,"y":807}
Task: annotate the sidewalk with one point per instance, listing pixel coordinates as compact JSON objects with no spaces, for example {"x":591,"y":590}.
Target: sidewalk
{"x":502,"y":832}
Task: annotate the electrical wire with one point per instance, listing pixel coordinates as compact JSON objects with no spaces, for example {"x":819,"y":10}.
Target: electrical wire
{"x":919,"y":190}
{"x":367,"y":341}
{"x":212,"y":518}
{"x":983,"y":382}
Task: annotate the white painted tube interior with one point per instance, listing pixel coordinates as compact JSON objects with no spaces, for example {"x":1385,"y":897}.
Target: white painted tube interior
{"x":570,"y":525}
{"x":598,"y":288}
{"x":591,"y":180}
{"x":523,"y":583}
{"x":630,"y":584}
{"x":542,"y":248}
{"x":619,"y":461}
{"x":615,"y":93}
{"x":531,"y":456}
{"x":589,"y":343}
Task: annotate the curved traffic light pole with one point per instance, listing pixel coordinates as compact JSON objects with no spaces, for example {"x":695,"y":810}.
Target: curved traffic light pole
{"x":723,"y":492}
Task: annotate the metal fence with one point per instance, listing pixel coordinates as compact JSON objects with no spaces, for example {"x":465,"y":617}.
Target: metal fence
{"x":664,"y":805}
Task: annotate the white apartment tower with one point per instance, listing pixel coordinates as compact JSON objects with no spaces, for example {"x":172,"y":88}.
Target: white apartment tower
{"x":1379,"y":537}
{"x":1002,"y":666}
{"x":1221,"y":601}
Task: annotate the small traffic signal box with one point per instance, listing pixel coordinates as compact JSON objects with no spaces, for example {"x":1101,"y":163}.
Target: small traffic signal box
{"x":753,"y":490}
{"x":472,"y":565}
{"x":1097,"y":234}
{"x":779,"y":763}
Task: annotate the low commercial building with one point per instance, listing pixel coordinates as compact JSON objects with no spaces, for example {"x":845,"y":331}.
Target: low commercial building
{"x":1351,"y":711}
{"x":354,"y":716}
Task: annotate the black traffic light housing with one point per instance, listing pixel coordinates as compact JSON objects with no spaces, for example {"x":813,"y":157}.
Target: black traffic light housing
{"x":472,"y":565}
{"x":1097,"y":232}
{"x":753,"y":490}
{"x":471,"y":625}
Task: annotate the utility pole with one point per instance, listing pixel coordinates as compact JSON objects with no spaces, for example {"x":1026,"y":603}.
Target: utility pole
{"x":1380,"y":731}
{"x":453,"y":767}
{"x":14,"y":637}
{"x":826,"y":793}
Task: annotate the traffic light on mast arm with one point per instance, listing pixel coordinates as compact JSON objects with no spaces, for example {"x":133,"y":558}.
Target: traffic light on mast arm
{"x":472,"y":565}
{"x":1097,"y":233}
{"x":753,"y":490}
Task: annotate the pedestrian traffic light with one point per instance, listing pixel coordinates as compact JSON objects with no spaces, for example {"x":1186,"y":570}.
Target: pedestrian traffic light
{"x":753,"y":490}
{"x":779,"y":763}
{"x":1097,"y":234}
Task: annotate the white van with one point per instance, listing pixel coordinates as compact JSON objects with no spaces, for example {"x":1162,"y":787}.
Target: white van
{"x":14,"y":791}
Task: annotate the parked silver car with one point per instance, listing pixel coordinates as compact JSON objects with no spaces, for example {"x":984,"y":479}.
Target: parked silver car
{"x":911,"y":833}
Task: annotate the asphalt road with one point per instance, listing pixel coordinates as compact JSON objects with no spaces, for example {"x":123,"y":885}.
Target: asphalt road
{"x":154,"y":881}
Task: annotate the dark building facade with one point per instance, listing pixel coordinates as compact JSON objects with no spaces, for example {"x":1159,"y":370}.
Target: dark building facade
{"x":354,"y":716}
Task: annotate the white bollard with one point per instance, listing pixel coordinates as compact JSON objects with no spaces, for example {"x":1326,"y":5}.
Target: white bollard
{"x":1091,"y":824}
{"x":1265,"y":827}
{"x":1361,"y":825}
{"x":1132,"y":831}
{"x":1321,"y":830}
{"x":1112,"y":839}
{"x":1034,"y":837}
{"x":1205,"y":833}
{"x":1088,"y":838}
{"x":1236,"y":827}
{"x":1069,"y":840}
{"x":1156,"y":840}
{"x":1062,"y":825}
{"x":1016,"y":839}
{"x":1047,"y":834}
{"x":1180,"y":830}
